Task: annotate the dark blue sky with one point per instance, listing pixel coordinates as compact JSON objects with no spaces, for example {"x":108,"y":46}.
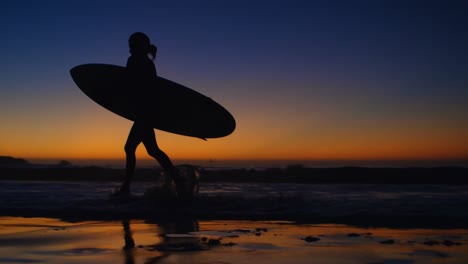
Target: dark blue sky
{"x":295,"y":67}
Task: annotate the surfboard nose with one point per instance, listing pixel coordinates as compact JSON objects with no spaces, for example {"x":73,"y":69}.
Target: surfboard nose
{"x":77,"y":74}
{"x":73,"y":73}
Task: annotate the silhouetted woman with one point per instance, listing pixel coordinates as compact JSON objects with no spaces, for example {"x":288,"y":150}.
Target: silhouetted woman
{"x":142,"y":70}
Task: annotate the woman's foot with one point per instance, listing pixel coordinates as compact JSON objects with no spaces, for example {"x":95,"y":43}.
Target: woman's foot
{"x":186,"y":181}
{"x":122,"y":191}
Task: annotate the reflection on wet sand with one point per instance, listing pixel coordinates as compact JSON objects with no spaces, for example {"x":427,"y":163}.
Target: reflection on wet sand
{"x":30,"y":240}
{"x":167,"y":242}
{"x":129,"y":243}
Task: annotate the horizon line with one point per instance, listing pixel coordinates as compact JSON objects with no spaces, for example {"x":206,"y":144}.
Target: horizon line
{"x":251,"y":163}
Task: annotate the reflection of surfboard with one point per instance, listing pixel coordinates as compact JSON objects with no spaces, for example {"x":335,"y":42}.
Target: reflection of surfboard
{"x":161,"y":103}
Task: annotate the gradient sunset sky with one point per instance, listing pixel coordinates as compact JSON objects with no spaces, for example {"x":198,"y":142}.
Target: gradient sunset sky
{"x":305,"y":80}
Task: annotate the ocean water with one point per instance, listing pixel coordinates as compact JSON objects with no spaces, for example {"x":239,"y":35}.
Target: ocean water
{"x":384,"y":204}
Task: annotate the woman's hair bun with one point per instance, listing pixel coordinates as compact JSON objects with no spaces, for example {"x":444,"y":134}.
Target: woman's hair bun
{"x":152,"y":50}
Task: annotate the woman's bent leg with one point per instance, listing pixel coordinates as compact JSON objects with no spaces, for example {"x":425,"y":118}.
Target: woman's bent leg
{"x":154,"y":151}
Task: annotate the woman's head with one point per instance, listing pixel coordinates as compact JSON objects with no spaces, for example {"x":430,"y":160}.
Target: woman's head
{"x":139,"y":43}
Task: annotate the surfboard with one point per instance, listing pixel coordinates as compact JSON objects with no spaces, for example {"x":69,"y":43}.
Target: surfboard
{"x":159,"y":102}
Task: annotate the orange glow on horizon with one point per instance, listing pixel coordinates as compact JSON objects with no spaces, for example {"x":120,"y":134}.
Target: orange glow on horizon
{"x":108,"y":142}
{"x":98,"y":134}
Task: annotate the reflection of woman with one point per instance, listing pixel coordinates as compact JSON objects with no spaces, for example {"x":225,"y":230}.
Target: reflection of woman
{"x":129,"y":243}
{"x":166,"y":245}
{"x":142,"y":70}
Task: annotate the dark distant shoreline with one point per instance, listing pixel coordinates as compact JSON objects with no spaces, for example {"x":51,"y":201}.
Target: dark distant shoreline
{"x":291,"y":174}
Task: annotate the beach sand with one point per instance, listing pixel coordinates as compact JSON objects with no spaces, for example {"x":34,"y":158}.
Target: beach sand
{"x":47,"y":240}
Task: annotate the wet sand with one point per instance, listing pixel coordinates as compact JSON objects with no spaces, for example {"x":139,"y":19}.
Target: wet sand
{"x":47,"y":240}
{"x":76,"y":222}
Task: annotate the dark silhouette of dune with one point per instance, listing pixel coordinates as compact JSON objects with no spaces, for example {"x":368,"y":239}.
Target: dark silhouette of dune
{"x":7,"y":161}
